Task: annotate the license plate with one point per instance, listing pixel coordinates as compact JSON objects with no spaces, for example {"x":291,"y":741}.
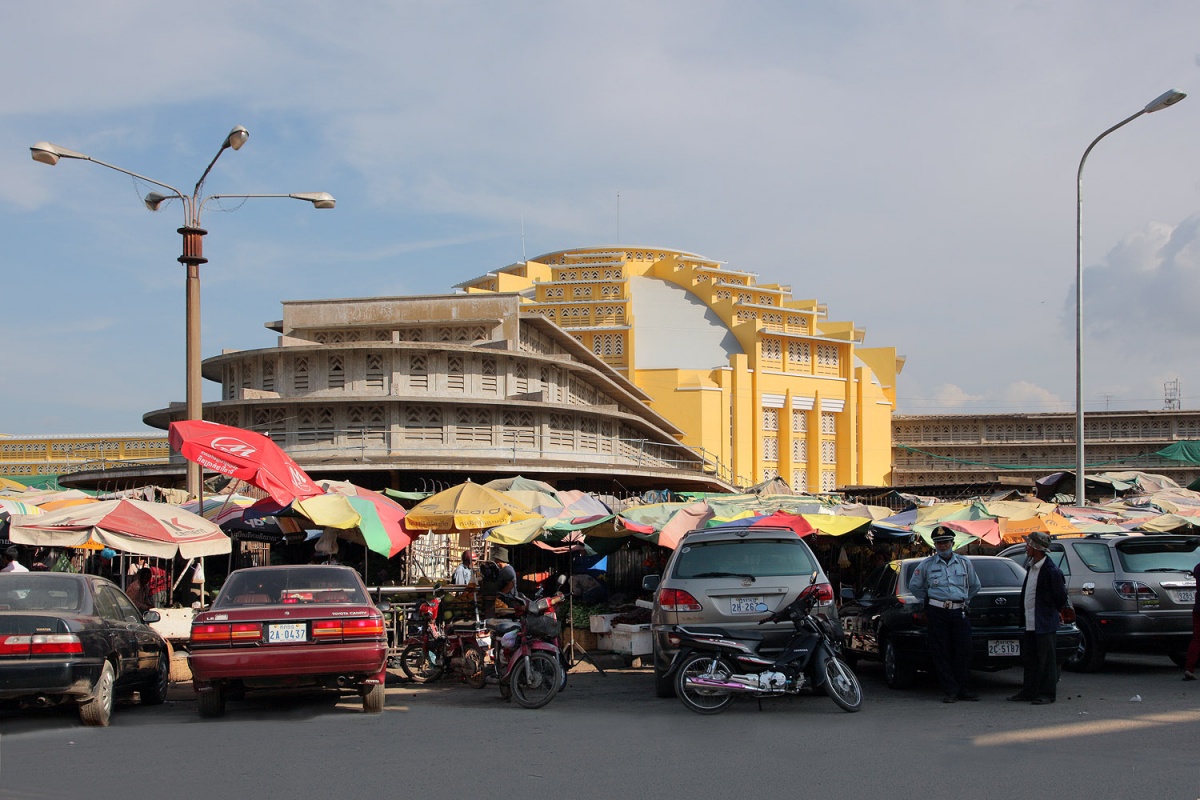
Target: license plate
{"x":1185,"y":596}
{"x":1004,"y":647}
{"x":745,"y":605}
{"x":288,"y":632}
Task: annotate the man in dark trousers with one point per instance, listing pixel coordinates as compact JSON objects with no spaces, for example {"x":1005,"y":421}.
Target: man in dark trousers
{"x":946,"y":582}
{"x":1044,"y":601}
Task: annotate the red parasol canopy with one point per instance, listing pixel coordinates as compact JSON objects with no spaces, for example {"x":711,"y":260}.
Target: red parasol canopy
{"x":245,"y":455}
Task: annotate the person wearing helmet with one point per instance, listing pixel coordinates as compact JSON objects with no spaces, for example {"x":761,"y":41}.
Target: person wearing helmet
{"x":946,"y":582}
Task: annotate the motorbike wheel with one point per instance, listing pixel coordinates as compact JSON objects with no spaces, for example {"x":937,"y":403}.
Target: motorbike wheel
{"x":421,"y":664}
{"x":703,"y":701}
{"x":841,"y":684}
{"x":535,"y":684}
{"x":473,"y":669}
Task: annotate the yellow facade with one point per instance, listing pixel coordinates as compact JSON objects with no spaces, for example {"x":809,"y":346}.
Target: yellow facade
{"x":762,"y":382}
{"x":30,"y":456}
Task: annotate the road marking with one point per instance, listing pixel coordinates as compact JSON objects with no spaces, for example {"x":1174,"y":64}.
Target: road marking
{"x":1090,"y":728}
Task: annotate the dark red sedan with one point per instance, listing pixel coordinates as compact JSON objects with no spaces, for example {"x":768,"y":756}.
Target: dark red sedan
{"x":289,"y":627}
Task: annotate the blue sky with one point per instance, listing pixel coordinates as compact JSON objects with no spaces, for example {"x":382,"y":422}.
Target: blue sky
{"x":912,"y":165}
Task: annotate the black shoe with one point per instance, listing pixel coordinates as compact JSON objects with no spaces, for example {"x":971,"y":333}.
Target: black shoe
{"x":1020,"y":698}
{"x":1042,"y":701}
{"x":950,"y":698}
{"x":968,"y":697}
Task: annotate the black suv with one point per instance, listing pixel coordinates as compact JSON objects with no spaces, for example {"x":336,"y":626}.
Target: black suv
{"x":887,"y":623}
{"x":1132,"y":593}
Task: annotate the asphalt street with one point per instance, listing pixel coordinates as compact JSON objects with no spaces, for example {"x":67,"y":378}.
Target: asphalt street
{"x":1131,"y":730}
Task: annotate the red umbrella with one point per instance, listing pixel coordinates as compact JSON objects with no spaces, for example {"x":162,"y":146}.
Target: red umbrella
{"x":245,"y":455}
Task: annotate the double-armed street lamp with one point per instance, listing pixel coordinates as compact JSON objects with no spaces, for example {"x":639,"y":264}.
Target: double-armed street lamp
{"x":1164,"y":100}
{"x":193,"y":253}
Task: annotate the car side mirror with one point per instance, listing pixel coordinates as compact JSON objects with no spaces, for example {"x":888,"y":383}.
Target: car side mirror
{"x":848,"y":593}
{"x":151,"y":616}
{"x":650,"y":582}
{"x":384,"y":606}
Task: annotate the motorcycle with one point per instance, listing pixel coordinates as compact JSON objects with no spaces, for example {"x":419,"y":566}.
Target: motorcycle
{"x":715,"y":665}
{"x":527,"y":663}
{"x":458,"y":648}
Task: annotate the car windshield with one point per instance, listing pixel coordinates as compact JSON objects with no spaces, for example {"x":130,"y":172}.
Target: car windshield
{"x":1148,"y":555}
{"x":252,"y":587}
{"x":759,"y":558}
{"x":1001,"y":572}
{"x":26,"y":592}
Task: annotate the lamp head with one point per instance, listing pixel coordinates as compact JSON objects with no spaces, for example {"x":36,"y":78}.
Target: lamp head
{"x":154,"y":200}
{"x":237,"y":137}
{"x":1164,"y":100}
{"x":318,"y":199}
{"x":46,"y":153}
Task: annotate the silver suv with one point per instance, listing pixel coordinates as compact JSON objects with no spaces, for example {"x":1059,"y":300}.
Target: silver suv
{"x":1131,"y":592}
{"x":729,"y":577}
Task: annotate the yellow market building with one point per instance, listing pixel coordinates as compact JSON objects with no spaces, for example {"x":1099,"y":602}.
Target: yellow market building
{"x":762,"y":383}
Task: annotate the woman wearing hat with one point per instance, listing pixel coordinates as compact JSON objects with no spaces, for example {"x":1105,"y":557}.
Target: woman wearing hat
{"x":1044,"y":601}
{"x":946,"y":582}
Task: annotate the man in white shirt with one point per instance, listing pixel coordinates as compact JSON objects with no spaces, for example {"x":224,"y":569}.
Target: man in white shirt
{"x":10,"y":561}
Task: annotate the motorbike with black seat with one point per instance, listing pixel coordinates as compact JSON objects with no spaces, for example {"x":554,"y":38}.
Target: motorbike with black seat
{"x":527,"y":662}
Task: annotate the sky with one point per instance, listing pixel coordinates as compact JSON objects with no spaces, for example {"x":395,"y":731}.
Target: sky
{"x":911,"y":165}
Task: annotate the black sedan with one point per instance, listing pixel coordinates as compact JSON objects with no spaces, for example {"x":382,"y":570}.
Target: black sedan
{"x":886,"y":623}
{"x":68,"y":638}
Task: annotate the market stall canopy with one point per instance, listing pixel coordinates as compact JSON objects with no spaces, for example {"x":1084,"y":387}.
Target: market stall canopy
{"x":468,"y":506}
{"x":381,"y":520}
{"x":132,"y":526}
{"x":244,"y":455}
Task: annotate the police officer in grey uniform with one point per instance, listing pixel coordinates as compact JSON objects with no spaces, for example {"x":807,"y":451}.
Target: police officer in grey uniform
{"x":946,"y":582}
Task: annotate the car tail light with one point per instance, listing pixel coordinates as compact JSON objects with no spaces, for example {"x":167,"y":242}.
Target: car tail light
{"x":1135,"y":590}
{"x":227,"y":633}
{"x":677,"y":600}
{"x":40,"y":645}
{"x":335,"y":629}
{"x":824,"y":592}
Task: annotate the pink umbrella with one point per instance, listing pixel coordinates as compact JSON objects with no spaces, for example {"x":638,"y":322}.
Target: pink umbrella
{"x":131,"y":526}
{"x":244,"y":455}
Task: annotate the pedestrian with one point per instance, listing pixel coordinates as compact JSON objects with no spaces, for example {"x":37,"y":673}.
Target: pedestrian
{"x":11,"y":564}
{"x":946,"y":582}
{"x":1044,"y":603}
{"x":498,"y":578}
{"x":1193,"y":651}
{"x":139,"y":590}
{"x":464,"y":573}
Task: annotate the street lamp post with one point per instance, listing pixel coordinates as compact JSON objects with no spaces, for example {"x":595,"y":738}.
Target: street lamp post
{"x":1164,"y":100}
{"x":193,"y":253}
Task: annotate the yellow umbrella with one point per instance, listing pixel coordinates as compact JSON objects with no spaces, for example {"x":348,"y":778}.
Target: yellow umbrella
{"x":468,"y":506}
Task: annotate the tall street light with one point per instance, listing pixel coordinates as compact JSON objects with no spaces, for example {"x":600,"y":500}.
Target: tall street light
{"x":1164,"y":100}
{"x":193,"y":252}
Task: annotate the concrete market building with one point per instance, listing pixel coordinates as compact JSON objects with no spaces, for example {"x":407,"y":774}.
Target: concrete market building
{"x":763,"y":384}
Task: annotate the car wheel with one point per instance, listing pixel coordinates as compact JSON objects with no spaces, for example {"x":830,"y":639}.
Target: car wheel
{"x":156,"y":692}
{"x":1089,"y":656}
{"x":896,"y":673}
{"x":98,"y":710}
{"x":1178,"y":656}
{"x":211,"y":703}
{"x":663,"y":686}
{"x":374,"y":698}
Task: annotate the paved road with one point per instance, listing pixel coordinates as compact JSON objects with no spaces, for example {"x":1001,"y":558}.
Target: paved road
{"x":606,"y":737}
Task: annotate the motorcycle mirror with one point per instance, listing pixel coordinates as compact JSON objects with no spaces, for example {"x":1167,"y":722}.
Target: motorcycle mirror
{"x":561,"y":580}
